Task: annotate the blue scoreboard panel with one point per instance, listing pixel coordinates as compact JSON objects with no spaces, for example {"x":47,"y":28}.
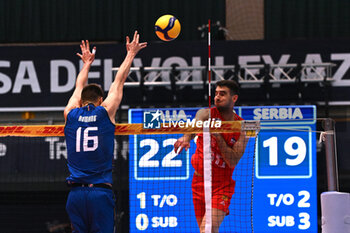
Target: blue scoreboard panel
{"x":285,"y":183}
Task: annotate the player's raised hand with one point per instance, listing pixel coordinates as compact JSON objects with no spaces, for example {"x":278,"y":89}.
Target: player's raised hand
{"x":134,"y":46}
{"x":86,"y":56}
{"x":180,"y":144}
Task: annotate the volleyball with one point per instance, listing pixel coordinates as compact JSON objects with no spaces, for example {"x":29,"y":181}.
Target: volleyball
{"x":167,"y":27}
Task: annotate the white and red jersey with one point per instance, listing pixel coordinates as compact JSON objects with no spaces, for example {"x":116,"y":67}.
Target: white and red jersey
{"x":221,"y":172}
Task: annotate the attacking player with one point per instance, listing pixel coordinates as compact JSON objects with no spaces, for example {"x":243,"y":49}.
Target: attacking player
{"x":89,"y":132}
{"x":227,"y":149}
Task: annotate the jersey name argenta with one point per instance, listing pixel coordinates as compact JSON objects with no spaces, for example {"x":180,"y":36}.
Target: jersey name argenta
{"x":90,"y":145}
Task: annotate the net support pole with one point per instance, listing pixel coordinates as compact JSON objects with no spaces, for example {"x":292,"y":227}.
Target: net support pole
{"x":331,"y":156}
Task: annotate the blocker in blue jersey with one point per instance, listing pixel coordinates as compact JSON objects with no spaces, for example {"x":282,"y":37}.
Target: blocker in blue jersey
{"x":89,"y":132}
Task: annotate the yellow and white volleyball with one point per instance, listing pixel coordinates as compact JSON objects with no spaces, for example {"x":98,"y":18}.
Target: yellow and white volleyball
{"x":167,"y":27}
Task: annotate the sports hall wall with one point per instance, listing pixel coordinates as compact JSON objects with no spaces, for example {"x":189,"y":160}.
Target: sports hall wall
{"x":107,"y":20}
{"x":69,"y":21}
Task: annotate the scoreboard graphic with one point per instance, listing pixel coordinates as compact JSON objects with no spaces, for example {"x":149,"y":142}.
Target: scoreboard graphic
{"x":285,"y":183}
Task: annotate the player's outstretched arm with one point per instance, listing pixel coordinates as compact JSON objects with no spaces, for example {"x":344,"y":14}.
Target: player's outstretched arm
{"x":184,"y":141}
{"x":87,"y":57}
{"x":115,"y":93}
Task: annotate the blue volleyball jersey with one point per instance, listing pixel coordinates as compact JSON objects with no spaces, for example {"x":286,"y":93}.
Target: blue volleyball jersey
{"x":90,"y":144}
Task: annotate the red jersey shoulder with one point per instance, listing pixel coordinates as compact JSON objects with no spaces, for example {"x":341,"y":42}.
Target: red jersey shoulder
{"x":238,"y":118}
{"x":216,"y":114}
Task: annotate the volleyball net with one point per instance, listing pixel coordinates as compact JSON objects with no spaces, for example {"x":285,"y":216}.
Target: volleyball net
{"x":273,"y":185}
{"x":167,"y":193}
{"x":160,"y":192}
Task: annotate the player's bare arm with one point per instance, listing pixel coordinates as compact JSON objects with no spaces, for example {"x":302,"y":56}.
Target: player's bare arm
{"x":87,"y":57}
{"x":184,"y":141}
{"x":115,"y":94}
{"x":232,"y":155}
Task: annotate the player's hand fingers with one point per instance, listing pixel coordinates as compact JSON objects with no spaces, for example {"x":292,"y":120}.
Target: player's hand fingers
{"x":83,"y":44}
{"x":137,"y":38}
{"x":79,"y":55}
{"x":143,"y":45}
{"x":176,"y":144}
{"x":127,"y":40}
{"x":134,"y":39}
{"x":87,"y":45}
{"x":178,"y":151}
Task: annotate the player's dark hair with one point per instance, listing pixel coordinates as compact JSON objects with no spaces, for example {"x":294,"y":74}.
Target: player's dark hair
{"x":230,"y":84}
{"x":92,"y":92}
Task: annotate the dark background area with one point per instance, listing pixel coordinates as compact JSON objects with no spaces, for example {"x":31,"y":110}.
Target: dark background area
{"x":37,"y":21}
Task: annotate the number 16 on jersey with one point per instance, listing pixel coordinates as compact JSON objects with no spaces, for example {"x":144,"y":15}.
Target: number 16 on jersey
{"x":284,"y":154}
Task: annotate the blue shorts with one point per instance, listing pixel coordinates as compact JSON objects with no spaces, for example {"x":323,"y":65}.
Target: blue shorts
{"x":91,"y":209}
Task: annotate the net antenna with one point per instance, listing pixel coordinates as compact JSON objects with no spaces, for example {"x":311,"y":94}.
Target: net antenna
{"x":207,"y":152}
{"x":209,"y":68}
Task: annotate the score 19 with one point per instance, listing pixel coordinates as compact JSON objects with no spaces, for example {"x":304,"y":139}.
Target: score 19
{"x":293,"y":146}
{"x":284,"y":153}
